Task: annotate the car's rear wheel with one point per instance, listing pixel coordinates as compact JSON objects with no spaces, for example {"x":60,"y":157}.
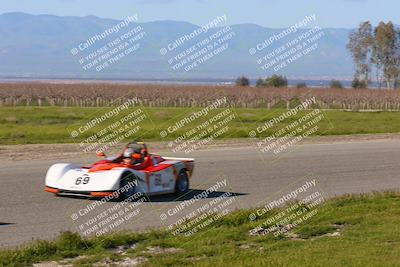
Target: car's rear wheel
{"x":126,"y":187}
{"x":182,"y":184}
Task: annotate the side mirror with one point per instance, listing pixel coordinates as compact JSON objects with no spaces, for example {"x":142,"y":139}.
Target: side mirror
{"x":101,"y":154}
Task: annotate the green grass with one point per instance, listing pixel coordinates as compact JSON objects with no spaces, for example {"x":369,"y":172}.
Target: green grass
{"x":370,"y":236}
{"x":30,"y":125}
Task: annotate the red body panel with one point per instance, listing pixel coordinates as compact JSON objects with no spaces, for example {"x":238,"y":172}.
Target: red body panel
{"x":146,"y":166}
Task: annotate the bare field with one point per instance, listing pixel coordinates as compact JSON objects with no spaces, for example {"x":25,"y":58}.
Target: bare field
{"x":106,"y":94}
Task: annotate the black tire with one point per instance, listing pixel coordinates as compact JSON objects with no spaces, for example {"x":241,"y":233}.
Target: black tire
{"x":126,"y":178}
{"x":182,"y":184}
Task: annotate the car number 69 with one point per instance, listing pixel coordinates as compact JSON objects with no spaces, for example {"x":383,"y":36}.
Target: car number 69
{"x":82,"y":180}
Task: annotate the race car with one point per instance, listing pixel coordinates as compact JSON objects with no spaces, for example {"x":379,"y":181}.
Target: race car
{"x":120,"y":177}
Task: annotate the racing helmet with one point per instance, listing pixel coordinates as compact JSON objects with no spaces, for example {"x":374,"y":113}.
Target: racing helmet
{"x":131,"y":153}
{"x":136,"y":150}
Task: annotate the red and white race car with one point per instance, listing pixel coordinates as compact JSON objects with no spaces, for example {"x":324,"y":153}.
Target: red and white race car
{"x":135,"y":170}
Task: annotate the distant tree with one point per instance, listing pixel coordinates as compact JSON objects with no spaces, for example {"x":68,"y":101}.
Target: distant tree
{"x":360,"y":46}
{"x":276,"y":81}
{"x":336,"y":84}
{"x":376,"y":49}
{"x":301,"y":85}
{"x":242,"y":81}
{"x":259,"y":82}
{"x":358,"y":84}
{"x":386,"y":52}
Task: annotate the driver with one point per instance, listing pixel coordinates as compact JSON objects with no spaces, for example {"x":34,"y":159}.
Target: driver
{"x":132,"y":157}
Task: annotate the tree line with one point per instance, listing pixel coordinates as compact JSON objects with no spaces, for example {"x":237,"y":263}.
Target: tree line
{"x":376,"y":52}
{"x":278,"y":81}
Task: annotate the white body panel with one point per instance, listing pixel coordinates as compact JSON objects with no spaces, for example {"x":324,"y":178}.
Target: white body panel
{"x":74,"y":178}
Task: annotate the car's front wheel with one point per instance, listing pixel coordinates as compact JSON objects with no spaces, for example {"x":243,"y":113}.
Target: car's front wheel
{"x":182,"y":183}
{"x":127,"y":186}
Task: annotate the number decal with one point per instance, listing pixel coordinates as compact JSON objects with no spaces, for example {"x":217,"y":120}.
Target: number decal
{"x":86,"y":180}
{"x":82,"y":180}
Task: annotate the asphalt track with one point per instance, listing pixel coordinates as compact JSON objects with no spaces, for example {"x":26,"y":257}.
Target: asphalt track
{"x":27,"y":212}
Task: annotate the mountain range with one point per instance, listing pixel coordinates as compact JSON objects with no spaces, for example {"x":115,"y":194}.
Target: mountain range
{"x":39,"y":46}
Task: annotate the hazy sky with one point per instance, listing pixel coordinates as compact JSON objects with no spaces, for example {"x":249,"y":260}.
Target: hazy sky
{"x":269,"y":13}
